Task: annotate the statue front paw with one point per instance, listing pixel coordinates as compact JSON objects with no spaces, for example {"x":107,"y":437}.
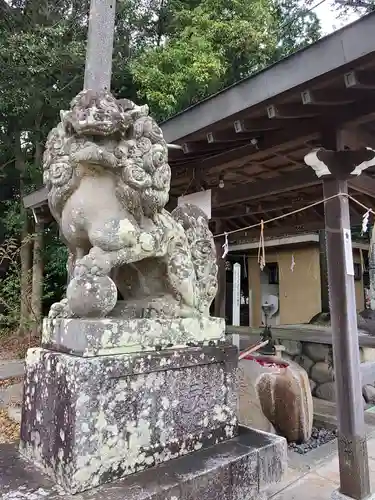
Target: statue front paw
{"x":92,"y":153}
{"x":59,"y":310}
{"x":96,"y":263}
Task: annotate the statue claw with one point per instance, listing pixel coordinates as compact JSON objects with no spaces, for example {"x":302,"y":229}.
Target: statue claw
{"x":59,"y":310}
{"x":96,"y":263}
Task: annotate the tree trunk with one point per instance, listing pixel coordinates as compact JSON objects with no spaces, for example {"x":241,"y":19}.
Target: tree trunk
{"x":37,"y":280}
{"x":25,"y":251}
{"x":38,"y":242}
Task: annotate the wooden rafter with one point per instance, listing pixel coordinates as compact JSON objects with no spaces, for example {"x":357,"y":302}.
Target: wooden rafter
{"x":258,"y":189}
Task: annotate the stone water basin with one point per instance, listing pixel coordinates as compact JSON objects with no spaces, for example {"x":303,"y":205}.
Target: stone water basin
{"x":275,"y":396}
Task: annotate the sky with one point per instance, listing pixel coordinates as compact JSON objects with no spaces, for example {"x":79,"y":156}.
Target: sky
{"x":328,"y":17}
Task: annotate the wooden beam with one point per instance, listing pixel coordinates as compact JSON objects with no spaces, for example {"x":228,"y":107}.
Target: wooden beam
{"x":356,"y":137}
{"x":288,"y":158}
{"x":201,"y":147}
{"x":327,"y":97}
{"x":36,"y":198}
{"x":363,"y":184}
{"x":367,"y":200}
{"x":261,"y":208}
{"x":226,"y":136}
{"x":288,"y":229}
{"x":290,"y":111}
{"x":42,"y":214}
{"x":281,"y":139}
{"x":360,"y":80}
{"x":193,"y":158}
{"x":256,"y":125}
{"x":302,"y":131}
{"x":245,"y":192}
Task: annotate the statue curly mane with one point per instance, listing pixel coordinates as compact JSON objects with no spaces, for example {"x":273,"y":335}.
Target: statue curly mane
{"x":135,"y":153}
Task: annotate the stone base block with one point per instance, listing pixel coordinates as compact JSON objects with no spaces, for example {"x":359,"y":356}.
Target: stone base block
{"x":336,"y":495}
{"x":88,"y":421}
{"x":96,"y":337}
{"x":241,"y":468}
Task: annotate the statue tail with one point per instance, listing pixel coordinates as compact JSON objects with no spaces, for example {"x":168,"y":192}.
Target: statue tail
{"x":203,"y":252}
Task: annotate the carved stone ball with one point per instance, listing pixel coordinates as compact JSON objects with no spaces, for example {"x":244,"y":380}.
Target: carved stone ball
{"x":93,"y":296}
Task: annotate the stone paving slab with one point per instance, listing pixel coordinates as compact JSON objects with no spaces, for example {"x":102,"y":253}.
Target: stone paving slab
{"x":11,"y":395}
{"x":336,"y":495}
{"x":11,"y":368}
{"x":321,"y":483}
{"x":291,"y":476}
{"x":310,"y":487}
{"x":330,"y":471}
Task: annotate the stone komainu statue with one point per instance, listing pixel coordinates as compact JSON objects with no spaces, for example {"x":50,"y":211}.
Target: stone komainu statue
{"x":108,"y":178}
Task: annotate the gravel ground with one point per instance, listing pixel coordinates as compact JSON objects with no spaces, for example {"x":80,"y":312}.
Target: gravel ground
{"x":7,"y":382}
{"x":9,"y":429}
{"x":318,"y":438}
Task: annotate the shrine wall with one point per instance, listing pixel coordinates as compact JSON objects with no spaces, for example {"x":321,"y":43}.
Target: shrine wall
{"x":299,"y":285}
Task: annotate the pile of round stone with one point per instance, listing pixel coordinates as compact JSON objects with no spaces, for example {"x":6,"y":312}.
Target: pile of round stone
{"x":318,"y":438}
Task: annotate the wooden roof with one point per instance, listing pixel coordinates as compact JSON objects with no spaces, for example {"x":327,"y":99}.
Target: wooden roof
{"x":255,"y":134}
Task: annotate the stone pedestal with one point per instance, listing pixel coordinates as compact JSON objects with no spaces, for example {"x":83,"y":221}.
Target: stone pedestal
{"x":95,"y":411}
{"x":90,"y":337}
{"x":242,"y":468}
{"x":88,"y":421}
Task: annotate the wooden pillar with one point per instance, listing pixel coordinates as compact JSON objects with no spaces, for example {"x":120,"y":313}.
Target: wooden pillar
{"x":98,"y":68}
{"x":354,"y":473}
{"x":220,"y":298}
{"x":371,"y":268}
{"x":336,"y":168}
{"x":324,"y":292}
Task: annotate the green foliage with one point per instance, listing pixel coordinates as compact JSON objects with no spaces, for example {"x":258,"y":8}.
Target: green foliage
{"x":207,"y":48}
{"x":10,"y":289}
{"x":171,"y":79}
{"x":298,"y":27}
{"x":212,"y":44}
{"x":10,"y":299}
{"x":171,"y":53}
{"x":55,"y":256}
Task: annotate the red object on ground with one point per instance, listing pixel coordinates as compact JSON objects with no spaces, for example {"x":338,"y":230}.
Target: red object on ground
{"x":267,"y":362}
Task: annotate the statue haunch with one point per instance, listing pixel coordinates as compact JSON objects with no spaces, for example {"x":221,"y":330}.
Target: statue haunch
{"x":107,"y":174}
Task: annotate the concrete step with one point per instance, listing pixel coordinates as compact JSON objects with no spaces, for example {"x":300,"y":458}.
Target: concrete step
{"x":243,"y":467}
{"x":11,"y":368}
